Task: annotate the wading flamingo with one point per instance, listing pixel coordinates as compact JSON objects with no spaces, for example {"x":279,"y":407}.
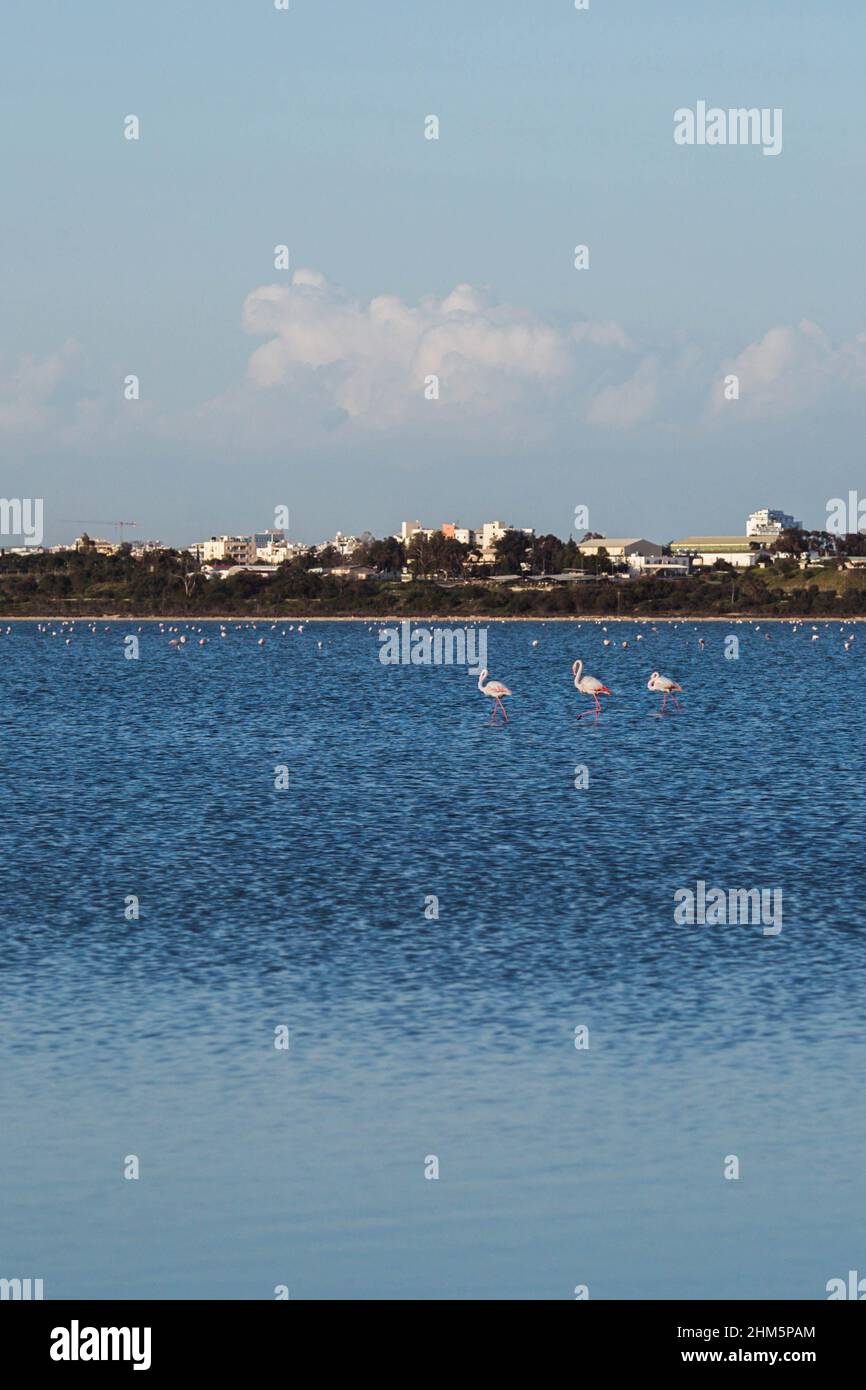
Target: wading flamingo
{"x":588,"y":685}
{"x":496,"y":690}
{"x":666,"y":685}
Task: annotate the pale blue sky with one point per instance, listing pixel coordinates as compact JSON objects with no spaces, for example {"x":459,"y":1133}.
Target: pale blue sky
{"x":261,"y":127}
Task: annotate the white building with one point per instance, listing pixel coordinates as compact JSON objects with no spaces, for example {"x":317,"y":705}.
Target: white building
{"x":141,"y":548}
{"x":767,"y":522}
{"x":485,"y":537}
{"x":271,"y":546}
{"x":353,"y":572}
{"x":264,"y":571}
{"x":741,"y":551}
{"x":492,"y":531}
{"x":240,"y":550}
{"x":668,"y":566}
{"x":344,"y":545}
{"x":268,"y":547}
{"x":633,"y":551}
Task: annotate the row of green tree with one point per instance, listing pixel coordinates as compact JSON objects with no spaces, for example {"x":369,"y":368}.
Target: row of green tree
{"x":169,"y":582}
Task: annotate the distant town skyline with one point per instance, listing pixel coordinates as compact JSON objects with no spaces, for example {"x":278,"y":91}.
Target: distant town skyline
{"x":276,"y":543}
{"x":129,"y":530}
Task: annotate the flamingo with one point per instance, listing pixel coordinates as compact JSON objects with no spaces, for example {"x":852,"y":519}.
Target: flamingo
{"x":496,"y":690}
{"x":588,"y":685}
{"x":666,"y":685}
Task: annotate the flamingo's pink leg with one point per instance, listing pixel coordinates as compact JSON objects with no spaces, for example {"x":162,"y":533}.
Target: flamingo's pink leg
{"x":675,"y":700}
{"x":664,"y":701}
{"x":504,"y":715}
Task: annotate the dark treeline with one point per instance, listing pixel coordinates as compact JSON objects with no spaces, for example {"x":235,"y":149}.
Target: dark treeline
{"x":446,"y":581}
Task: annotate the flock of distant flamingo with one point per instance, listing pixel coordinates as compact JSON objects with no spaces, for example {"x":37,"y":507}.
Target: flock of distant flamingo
{"x":585,"y":685}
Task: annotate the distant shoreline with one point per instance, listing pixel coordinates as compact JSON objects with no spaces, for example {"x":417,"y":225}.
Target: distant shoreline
{"x":428,"y":620}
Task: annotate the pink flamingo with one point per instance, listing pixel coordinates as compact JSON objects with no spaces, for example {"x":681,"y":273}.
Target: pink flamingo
{"x":665,"y":684}
{"x":496,"y":690}
{"x":588,"y":685}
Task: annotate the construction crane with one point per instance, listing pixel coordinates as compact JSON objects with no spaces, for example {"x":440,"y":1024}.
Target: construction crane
{"x":72,"y":521}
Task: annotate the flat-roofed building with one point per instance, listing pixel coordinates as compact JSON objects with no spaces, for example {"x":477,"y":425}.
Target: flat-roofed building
{"x":240,"y":550}
{"x":491,"y":532}
{"x":353,"y":572}
{"x":141,"y":548}
{"x":667,"y":566}
{"x":741,"y":551}
{"x":270,"y":545}
{"x":766,"y":522}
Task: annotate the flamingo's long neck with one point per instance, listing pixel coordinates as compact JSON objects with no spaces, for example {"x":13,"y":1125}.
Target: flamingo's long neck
{"x":577,"y":668}
{"x":481,"y":676}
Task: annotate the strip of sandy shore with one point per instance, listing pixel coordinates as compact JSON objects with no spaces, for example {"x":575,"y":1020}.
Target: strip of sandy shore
{"x":458,"y":619}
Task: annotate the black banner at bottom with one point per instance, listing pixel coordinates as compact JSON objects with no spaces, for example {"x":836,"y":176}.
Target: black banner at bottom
{"x":161,"y":1338}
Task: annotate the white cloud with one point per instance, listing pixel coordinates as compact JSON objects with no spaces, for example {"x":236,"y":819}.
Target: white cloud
{"x":607,"y":334}
{"x":382,"y":351}
{"x":789,"y":369}
{"x":631,"y":403}
{"x":331,"y":367}
{"x":28,"y":388}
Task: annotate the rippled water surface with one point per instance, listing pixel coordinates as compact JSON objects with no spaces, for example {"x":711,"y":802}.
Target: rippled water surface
{"x":413,"y":1037}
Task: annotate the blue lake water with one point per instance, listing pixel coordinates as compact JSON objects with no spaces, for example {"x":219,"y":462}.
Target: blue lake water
{"x":412,"y":1037}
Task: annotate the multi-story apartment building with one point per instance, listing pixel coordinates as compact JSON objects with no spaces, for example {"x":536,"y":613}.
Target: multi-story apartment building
{"x":238,"y":550}
{"x":492,"y":531}
{"x":484,"y":537}
{"x":464,"y":534}
{"x":768,"y":522}
{"x":271,"y":547}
